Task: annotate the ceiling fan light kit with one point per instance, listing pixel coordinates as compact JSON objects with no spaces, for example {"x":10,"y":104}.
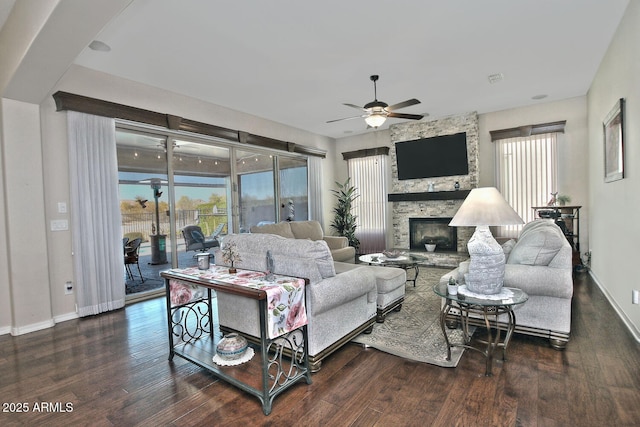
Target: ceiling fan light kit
{"x":376,"y":112}
{"x":375,"y":120}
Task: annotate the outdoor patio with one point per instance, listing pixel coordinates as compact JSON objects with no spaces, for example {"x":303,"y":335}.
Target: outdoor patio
{"x":151,"y":273}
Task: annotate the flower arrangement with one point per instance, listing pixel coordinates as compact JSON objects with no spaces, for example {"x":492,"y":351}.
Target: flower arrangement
{"x":230,"y":255}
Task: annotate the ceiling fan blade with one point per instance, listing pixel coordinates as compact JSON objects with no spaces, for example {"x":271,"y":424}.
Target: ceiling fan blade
{"x":405,"y":116}
{"x":407,"y":103}
{"x":346,"y":118}
{"x":354,"y":106}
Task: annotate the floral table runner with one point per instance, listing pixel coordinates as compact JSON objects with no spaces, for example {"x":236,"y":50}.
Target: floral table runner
{"x":286,"y":309}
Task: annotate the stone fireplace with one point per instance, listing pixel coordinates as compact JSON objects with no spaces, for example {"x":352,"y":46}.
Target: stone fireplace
{"x":433,"y":199}
{"x":432,"y":230}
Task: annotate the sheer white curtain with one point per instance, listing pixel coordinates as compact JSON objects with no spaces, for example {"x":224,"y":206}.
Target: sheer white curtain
{"x":527,"y":174}
{"x":368,"y":176}
{"x":314,"y":168}
{"x":96,"y":224}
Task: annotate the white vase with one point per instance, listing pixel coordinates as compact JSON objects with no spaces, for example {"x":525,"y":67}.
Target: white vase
{"x":430,"y":247}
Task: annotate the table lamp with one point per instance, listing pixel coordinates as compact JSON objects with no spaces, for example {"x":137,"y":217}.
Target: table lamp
{"x":482,"y":208}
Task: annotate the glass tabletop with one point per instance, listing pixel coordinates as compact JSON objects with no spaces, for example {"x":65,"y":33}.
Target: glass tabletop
{"x":381,"y":259}
{"x":512,"y":296}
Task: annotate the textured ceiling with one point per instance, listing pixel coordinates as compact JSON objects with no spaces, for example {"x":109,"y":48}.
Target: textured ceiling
{"x":296,"y":62}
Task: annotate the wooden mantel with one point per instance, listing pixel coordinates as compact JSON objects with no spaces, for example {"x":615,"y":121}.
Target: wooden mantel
{"x":428,"y":195}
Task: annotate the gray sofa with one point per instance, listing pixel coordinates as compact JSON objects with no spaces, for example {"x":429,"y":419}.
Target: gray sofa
{"x":339,"y":305}
{"x":539,"y":263}
{"x":312,"y":230}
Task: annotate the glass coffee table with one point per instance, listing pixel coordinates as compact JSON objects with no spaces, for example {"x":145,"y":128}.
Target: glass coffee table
{"x":406,"y":261}
{"x":487,"y":306}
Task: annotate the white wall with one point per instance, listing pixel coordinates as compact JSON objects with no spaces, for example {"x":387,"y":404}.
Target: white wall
{"x":25,"y":223}
{"x":615,"y":206}
{"x":5,"y":291}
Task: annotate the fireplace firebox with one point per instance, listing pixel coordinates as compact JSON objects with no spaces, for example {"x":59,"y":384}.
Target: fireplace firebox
{"x":432,"y":230}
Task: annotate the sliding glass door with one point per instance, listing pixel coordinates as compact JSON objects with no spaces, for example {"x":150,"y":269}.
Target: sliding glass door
{"x":256,"y":189}
{"x":271,"y":188}
{"x":294,"y":193}
{"x":144,"y":204}
{"x":170,"y":182}
{"x":202,"y":188}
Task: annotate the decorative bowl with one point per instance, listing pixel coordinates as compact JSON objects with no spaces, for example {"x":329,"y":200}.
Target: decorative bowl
{"x":232,"y":346}
{"x":392,"y":254}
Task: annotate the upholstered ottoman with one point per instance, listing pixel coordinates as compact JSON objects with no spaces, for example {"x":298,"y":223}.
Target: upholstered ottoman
{"x":390,"y":284}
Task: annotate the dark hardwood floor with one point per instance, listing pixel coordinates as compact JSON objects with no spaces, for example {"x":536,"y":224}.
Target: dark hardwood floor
{"x":113,"y":370}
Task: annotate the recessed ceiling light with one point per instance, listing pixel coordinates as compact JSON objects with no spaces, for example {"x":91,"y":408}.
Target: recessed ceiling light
{"x":495,"y":78}
{"x":99,"y":46}
{"x":541,"y":96}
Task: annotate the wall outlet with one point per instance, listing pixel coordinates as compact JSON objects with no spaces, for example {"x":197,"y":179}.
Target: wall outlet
{"x":68,"y":288}
{"x":59,"y":224}
{"x":635,"y":296}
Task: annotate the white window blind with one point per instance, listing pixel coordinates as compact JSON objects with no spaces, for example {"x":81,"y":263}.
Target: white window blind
{"x":368,"y":176}
{"x":527,"y":175}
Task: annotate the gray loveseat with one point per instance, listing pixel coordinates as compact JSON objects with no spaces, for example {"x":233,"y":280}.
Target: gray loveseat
{"x":339,"y":305}
{"x":539,"y":263}
{"x":312,"y":230}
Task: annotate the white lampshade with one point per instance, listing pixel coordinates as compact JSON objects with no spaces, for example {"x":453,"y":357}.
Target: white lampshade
{"x":485,"y":206}
{"x":375,"y":120}
{"x":482,"y":208}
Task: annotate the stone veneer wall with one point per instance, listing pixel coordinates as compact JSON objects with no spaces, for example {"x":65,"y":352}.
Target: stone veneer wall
{"x":402,"y":211}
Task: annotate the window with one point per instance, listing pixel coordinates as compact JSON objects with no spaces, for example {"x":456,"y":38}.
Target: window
{"x":526,"y":174}
{"x":198,"y":178}
{"x":369,"y":177}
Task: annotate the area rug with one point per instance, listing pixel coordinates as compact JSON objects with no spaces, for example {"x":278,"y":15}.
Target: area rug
{"x":414,"y":332}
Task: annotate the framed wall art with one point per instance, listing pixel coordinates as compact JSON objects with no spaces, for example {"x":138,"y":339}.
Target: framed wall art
{"x":614,"y":143}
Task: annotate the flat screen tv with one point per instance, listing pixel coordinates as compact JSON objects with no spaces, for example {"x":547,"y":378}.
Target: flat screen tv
{"x":444,"y":155}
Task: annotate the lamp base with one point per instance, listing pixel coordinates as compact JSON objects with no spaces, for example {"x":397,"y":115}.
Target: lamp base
{"x":486,"y":268}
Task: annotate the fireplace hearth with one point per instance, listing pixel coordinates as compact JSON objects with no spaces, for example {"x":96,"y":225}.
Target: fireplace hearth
{"x":432,"y":230}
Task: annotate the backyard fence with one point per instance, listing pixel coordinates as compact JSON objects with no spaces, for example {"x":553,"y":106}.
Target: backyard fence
{"x":141,"y":222}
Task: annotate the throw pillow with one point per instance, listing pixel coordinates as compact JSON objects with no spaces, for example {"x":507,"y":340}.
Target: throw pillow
{"x":507,"y":247}
{"x":537,"y":247}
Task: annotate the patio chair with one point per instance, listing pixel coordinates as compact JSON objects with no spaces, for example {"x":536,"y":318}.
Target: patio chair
{"x":131,"y":257}
{"x":195,"y":240}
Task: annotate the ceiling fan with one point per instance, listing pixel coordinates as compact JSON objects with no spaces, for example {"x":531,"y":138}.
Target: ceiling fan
{"x":376,"y":112}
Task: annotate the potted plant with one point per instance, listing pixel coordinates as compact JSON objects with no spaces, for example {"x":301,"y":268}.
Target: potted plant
{"x":344,"y":222}
{"x":452,"y":286}
{"x":563,"y":200}
{"x":230,"y":255}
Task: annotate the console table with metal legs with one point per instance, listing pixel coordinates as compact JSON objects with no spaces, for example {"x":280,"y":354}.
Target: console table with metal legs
{"x":279,"y":362}
{"x":485,"y":307}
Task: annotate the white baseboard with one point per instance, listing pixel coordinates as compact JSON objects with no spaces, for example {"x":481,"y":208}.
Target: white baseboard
{"x":32,"y":328}
{"x":37,"y":326}
{"x":65,"y":317}
{"x":628,"y":323}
